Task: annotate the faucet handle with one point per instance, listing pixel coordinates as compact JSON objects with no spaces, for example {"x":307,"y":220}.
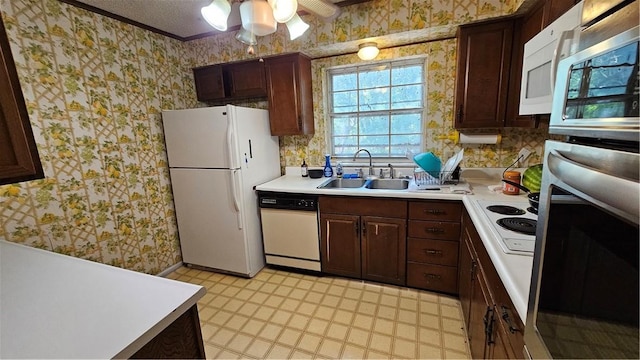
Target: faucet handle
{"x":359,"y":172}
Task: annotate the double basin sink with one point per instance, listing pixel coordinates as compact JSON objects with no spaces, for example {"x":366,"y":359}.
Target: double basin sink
{"x":372,"y":184}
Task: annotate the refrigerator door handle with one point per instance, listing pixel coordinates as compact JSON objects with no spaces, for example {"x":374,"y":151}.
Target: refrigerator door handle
{"x":230,"y":151}
{"x":234,"y":193}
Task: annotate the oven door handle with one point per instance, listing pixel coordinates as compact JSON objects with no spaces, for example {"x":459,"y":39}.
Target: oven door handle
{"x":616,"y":192}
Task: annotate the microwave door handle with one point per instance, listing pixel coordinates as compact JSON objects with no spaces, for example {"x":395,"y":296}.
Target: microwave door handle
{"x":617,"y":192}
{"x":557,"y":53}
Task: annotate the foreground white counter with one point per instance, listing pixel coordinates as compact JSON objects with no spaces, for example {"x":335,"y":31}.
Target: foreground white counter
{"x":57,"y":306}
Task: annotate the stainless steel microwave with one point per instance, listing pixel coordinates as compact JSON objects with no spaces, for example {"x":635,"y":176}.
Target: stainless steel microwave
{"x":597,"y":90}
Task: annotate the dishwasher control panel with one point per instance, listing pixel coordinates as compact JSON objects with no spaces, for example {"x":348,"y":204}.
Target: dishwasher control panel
{"x":288,"y":201}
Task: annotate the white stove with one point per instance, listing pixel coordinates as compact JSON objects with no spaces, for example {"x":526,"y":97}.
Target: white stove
{"x":513,"y":242}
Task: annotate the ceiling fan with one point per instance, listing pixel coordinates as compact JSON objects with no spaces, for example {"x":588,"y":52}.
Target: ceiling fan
{"x":261,"y":17}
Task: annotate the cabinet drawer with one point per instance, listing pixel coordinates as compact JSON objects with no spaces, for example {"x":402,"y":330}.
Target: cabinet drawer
{"x":435,"y":210}
{"x":433,"y":277}
{"x":434,"y":230}
{"x":391,"y":208}
{"x":432,"y":251}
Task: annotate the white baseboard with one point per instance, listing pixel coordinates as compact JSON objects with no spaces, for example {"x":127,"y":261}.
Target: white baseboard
{"x":170,"y":269}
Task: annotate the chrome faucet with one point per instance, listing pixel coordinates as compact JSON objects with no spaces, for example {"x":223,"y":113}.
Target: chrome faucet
{"x":391,"y":175}
{"x":368,"y":153}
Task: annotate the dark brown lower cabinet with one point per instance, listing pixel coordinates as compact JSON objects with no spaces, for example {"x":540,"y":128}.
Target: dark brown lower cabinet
{"x":384,"y":249}
{"x":493,"y":327}
{"x":182,"y":339}
{"x":364,"y":238}
{"x":340,"y":245}
{"x":432,"y":245}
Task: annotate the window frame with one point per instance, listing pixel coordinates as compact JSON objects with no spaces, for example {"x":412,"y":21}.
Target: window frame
{"x":361,"y":67}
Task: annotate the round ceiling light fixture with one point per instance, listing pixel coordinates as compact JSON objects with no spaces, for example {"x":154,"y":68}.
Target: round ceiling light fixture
{"x":368,"y":51}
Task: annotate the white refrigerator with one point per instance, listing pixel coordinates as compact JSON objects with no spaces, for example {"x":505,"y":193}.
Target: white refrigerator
{"x":216,"y":157}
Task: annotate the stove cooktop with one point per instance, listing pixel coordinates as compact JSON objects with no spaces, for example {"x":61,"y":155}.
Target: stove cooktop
{"x":512,"y":242}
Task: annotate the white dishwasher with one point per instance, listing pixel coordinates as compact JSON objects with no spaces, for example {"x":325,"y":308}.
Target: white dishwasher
{"x":290,"y":229}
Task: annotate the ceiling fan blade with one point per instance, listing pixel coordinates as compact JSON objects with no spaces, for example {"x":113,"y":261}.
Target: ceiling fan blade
{"x":321,"y":8}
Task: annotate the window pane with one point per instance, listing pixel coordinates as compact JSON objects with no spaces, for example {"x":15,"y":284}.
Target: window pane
{"x":400,"y":144}
{"x":374,"y":99}
{"x":406,"y":97}
{"x":374,"y":78}
{"x":345,"y":145}
{"x":345,"y":101}
{"x":344,"y":82}
{"x":406,"y":75}
{"x":374,"y":125}
{"x":406,"y":123}
{"x":345,"y":126}
{"x":385,"y":104}
{"x":377,"y":145}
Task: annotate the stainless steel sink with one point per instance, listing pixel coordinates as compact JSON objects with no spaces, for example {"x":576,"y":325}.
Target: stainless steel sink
{"x":369,"y":184}
{"x":343,"y":184}
{"x":388,"y":184}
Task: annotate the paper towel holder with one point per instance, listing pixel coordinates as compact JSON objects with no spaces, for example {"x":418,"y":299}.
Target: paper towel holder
{"x":457,"y":138}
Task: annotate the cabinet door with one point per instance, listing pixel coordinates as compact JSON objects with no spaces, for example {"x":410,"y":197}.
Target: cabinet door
{"x":480,"y":316}
{"x":553,"y":9}
{"x":384,"y":244}
{"x":340,"y":244}
{"x":467,"y":267}
{"x":246,"y":79}
{"x":482,"y":79}
{"x":19,"y":160}
{"x":209,"y":83}
{"x":289,"y":93}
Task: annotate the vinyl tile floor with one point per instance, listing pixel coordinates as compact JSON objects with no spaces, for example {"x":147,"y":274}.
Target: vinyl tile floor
{"x":288,"y":315}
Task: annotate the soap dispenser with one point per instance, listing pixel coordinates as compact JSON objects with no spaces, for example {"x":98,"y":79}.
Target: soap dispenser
{"x":328,"y":170}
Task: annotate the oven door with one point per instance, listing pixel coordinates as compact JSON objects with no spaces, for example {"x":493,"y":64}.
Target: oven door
{"x":583,"y":300}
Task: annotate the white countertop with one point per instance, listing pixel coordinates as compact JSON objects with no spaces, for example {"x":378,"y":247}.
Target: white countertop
{"x":514,"y":270}
{"x":58,"y":306}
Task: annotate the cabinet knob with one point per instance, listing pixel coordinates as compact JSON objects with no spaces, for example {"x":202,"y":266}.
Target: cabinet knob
{"x":432,"y":276}
{"x":434,"y":230}
{"x":434,"y":211}
{"x":507,"y":319}
{"x":433,"y":252}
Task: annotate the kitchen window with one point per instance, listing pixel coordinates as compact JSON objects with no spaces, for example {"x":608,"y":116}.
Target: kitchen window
{"x":377,"y":106}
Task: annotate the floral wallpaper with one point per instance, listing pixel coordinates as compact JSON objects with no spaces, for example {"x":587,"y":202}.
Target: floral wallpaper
{"x":95,"y":87}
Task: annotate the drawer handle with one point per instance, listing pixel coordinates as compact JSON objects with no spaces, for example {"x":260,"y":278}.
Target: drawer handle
{"x":433,"y":252}
{"x":434,"y":230}
{"x":433,"y":211}
{"x":507,"y":319}
{"x":432,"y":276}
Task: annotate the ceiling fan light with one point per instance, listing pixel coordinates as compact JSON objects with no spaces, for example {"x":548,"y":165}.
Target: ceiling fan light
{"x":217,"y":13}
{"x":323,"y":9}
{"x":296,"y":27}
{"x":368,"y":51}
{"x":257,"y":17}
{"x":246,"y":37}
{"x":283,"y":10}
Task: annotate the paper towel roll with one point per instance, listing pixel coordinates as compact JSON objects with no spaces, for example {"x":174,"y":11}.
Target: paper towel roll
{"x":480,"y":139}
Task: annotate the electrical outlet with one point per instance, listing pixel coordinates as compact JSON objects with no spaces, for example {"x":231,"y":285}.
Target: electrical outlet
{"x":523,"y":154}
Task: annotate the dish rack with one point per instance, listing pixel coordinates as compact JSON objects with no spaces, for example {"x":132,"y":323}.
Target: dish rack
{"x":424,"y":180}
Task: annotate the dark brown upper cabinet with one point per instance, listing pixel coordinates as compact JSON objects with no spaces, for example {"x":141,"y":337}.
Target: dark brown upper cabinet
{"x":209,"y":83}
{"x":483,"y":72}
{"x":19,"y":160}
{"x":284,"y":80}
{"x":245,"y":79}
{"x":290,"y":94}
{"x":230,"y":82}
